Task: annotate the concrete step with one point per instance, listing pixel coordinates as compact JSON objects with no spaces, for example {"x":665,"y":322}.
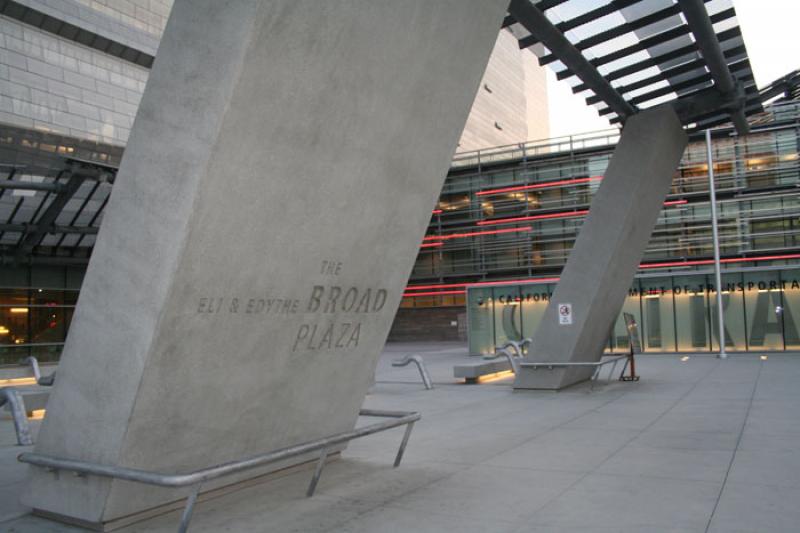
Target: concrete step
{"x":35,"y":398}
{"x":472,"y":371}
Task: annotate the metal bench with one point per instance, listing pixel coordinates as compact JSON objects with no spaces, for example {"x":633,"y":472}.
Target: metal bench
{"x":12,"y":397}
{"x":423,"y":370}
{"x":471,"y":372}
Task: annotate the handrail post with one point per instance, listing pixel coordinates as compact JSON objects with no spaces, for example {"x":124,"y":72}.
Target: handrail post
{"x":34,"y":363}
{"x":323,"y":455}
{"x":188,"y":509}
{"x":403,"y":444}
{"x":423,"y":370}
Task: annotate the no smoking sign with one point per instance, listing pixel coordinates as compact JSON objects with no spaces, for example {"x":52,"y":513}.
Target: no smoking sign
{"x":565,"y":314}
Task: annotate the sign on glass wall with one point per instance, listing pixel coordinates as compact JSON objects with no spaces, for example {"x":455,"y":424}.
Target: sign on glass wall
{"x":675,"y":313}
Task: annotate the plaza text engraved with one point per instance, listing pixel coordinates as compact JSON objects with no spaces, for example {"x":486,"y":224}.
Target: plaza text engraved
{"x":330,"y":312}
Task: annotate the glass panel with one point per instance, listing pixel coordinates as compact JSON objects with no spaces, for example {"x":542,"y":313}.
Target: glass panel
{"x":733,"y":308}
{"x":763,"y":305}
{"x":691,"y":313}
{"x":658,"y":326}
{"x":507,"y":315}
{"x":790,"y":282}
{"x":534,"y":303}
{"x":481,"y":323}
{"x":14,"y":325}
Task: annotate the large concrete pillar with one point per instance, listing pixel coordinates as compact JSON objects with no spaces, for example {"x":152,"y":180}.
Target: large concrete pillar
{"x":278,"y":180}
{"x":608,"y":249}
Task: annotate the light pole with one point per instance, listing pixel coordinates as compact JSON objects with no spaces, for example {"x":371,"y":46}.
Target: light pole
{"x":715,"y":238}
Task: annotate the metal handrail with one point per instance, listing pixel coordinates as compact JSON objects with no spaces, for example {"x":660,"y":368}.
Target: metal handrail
{"x":198,"y":477}
{"x":14,"y":399}
{"x":513,"y":344}
{"x":37,"y":373}
{"x":45,"y":381}
{"x":550,"y":365}
{"x":423,"y":370}
{"x":512,"y":359}
{"x":527,"y":341}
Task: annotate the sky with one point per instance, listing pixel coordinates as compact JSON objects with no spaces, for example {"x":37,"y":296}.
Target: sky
{"x":771,"y":30}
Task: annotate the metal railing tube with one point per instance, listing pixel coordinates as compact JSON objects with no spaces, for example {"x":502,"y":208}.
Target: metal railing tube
{"x":46,"y":381}
{"x":513,"y":361}
{"x":198,"y":477}
{"x":34,"y":363}
{"x":423,"y":370}
{"x":224,"y":469}
{"x":12,"y":397}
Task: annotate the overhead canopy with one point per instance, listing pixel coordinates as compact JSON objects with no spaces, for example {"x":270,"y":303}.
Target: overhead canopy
{"x":627,"y":55}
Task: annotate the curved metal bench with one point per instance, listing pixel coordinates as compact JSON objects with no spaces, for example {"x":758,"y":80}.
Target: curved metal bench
{"x":12,"y":397}
{"x":423,"y":370}
{"x":45,"y":381}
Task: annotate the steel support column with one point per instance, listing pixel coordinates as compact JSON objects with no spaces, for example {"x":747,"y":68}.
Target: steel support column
{"x":715,"y":236}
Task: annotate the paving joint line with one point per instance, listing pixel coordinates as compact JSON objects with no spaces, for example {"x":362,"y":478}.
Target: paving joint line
{"x":736,"y":449}
{"x":659,"y":417}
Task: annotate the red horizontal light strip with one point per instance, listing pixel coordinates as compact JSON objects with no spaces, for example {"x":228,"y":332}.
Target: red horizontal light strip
{"x":553,"y":280}
{"x":538,"y":186}
{"x":724,"y":261}
{"x":676,"y":202}
{"x":474,"y":234}
{"x":435,"y":293}
{"x":437,"y":211}
{"x":564,"y":214}
{"x":432,"y":245}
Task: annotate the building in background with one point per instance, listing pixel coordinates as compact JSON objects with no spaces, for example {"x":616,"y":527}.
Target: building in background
{"x":511,"y":104}
{"x":508,"y":217}
{"x":72,"y":74}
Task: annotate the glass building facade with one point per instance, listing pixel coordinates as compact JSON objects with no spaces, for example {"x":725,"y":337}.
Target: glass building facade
{"x":512,"y":214}
{"x":675,"y":313}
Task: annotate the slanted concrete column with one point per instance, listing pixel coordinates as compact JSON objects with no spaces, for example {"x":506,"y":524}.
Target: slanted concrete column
{"x":278,"y":181}
{"x":610,"y":245}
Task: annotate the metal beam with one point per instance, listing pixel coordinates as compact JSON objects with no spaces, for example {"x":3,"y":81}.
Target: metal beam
{"x":707,"y":101}
{"x":650,"y":42}
{"x":668,"y":74}
{"x":672,"y":55}
{"x":31,"y":228}
{"x":686,"y":87}
{"x":49,"y":216}
{"x":31,"y":186}
{"x":44,"y":260}
{"x":589,"y":16}
{"x":544,"y":5}
{"x":539,"y":25}
{"x":622,"y":29}
{"x":697,"y":17}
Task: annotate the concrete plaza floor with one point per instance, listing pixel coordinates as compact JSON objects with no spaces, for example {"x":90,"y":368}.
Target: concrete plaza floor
{"x":696,"y":445}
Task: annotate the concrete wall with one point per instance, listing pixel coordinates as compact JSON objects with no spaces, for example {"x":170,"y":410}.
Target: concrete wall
{"x":53,"y":84}
{"x":608,"y":249}
{"x":59,"y":85}
{"x":429,"y":324}
{"x":225,"y":311}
